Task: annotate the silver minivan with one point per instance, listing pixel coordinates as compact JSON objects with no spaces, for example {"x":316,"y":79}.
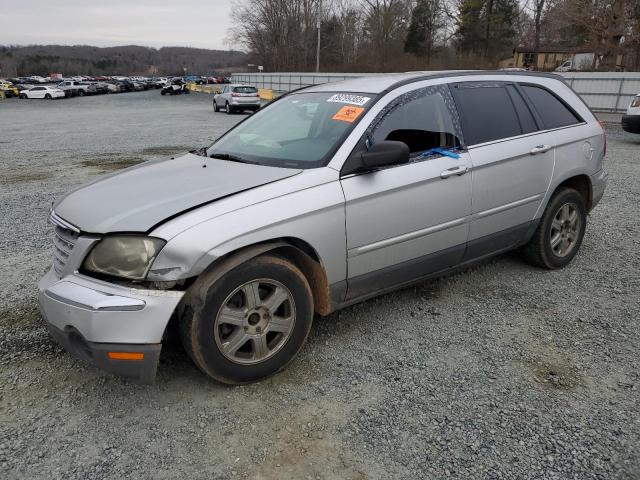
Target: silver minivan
{"x":328,"y":196}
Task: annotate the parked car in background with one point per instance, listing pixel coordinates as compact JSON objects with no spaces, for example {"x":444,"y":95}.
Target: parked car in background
{"x":579,"y":62}
{"x":328,"y":196}
{"x":37,"y":79}
{"x":73,"y":87}
{"x":111,"y":87}
{"x":631,"y":120}
{"x":9,"y":89}
{"x":160,"y":82}
{"x":98,"y":88}
{"x":175,"y":87}
{"x":42,"y":92}
{"x":237,"y":98}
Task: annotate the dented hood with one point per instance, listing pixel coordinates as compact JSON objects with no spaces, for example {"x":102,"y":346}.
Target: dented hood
{"x":137,"y":199}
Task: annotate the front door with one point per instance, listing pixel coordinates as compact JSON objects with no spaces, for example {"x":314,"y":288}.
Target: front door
{"x":407,"y":221}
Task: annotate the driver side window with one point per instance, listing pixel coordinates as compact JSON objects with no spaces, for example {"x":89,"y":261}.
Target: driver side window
{"x":423,"y":119}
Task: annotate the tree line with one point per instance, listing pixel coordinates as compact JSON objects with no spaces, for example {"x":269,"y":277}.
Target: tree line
{"x":127,"y":60}
{"x":400,"y":35}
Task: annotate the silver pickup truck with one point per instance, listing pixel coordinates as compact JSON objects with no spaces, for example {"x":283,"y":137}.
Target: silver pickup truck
{"x":72,"y":88}
{"x":326,"y":197}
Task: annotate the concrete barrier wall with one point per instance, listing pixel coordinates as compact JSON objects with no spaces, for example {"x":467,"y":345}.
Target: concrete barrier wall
{"x":602,"y":91}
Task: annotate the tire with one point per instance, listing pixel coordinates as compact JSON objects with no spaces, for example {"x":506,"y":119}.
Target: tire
{"x":81,"y":93}
{"x":228,"y":108}
{"x":48,"y":96}
{"x":23,"y":96}
{"x":560,"y":232}
{"x":162,"y":92}
{"x":215,"y":106}
{"x":248,"y":350}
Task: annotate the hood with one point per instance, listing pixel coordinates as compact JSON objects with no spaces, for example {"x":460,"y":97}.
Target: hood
{"x":140,"y":197}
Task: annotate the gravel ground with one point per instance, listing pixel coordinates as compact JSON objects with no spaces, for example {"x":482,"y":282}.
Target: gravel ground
{"x":502,"y":372}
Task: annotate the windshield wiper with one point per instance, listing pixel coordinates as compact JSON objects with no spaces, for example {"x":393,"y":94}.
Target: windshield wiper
{"x":232,"y":158}
{"x":202,"y":151}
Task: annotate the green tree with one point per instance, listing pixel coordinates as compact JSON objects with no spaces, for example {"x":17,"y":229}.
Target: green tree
{"x":426,"y":22}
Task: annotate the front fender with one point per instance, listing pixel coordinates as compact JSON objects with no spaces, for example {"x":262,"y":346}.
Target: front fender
{"x":314,"y":215}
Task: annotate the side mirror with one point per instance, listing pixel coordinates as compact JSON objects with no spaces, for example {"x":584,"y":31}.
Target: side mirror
{"x":383,"y":154}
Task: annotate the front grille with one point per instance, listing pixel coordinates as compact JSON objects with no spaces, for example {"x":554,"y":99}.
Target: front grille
{"x":64,"y":239}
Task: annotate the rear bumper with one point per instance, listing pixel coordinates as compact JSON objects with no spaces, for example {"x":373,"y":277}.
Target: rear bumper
{"x":598,"y":185}
{"x":631,"y":123}
{"x":237,"y":103}
{"x":90,"y":318}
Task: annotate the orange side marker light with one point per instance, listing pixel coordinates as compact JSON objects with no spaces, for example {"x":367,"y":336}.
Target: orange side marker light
{"x":125,"y":355}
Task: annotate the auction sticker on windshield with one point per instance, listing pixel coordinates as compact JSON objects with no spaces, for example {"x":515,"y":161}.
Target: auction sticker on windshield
{"x":346,"y":98}
{"x":348,"y":114}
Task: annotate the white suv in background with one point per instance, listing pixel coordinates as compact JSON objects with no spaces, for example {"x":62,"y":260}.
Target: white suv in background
{"x":631,"y":120}
{"x":237,"y":98}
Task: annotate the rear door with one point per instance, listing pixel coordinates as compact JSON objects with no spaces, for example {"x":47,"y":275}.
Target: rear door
{"x":406,"y":221}
{"x":512,"y":160}
{"x":37,"y":92}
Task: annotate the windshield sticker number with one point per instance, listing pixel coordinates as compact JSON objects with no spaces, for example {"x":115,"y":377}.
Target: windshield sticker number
{"x":348,"y":114}
{"x":344,"y":98}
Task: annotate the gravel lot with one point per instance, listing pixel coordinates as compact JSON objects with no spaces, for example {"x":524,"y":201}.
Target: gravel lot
{"x":503,"y":372}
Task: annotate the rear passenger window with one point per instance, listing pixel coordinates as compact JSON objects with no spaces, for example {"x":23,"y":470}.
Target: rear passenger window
{"x":553,"y":112}
{"x":527,"y":122}
{"x":487,"y":113}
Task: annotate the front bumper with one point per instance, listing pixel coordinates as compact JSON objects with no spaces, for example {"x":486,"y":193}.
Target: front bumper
{"x":631,"y":123}
{"x":90,"y":318}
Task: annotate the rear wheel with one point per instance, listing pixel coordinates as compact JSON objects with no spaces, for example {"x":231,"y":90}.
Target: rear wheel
{"x":228,"y":108}
{"x":23,"y":96}
{"x":560,"y":232}
{"x":251,"y":322}
{"x":81,"y":93}
{"x":48,"y":96}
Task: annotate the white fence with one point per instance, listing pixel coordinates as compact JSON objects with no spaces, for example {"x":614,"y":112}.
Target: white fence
{"x":603,"y":91}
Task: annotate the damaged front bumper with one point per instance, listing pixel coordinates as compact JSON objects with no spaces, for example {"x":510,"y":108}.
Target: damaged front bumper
{"x":117,"y":328}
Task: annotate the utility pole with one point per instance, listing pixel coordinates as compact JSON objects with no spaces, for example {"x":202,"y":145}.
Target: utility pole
{"x":318,"y":45}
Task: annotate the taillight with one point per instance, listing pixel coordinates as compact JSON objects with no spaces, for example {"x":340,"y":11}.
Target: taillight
{"x":234,"y":94}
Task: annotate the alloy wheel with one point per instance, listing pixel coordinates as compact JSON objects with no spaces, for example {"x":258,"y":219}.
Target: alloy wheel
{"x":255,"y":321}
{"x":565,"y":229}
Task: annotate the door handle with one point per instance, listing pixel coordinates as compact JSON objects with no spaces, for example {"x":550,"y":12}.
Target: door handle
{"x":540,"y":149}
{"x":450,"y":172}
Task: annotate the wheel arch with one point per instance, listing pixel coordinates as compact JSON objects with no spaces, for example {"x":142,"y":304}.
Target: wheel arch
{"x":294,"y":249}
{"x":582,"y":184}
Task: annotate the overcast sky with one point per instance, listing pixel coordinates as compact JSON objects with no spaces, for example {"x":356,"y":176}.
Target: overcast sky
{"x":155,"y":23}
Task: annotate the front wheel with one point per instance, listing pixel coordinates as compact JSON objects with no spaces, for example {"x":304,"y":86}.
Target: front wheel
{"x":81,"y":93}
{"x":250,"y":323}
{"x":215,"y":106}
{"x":560,"y":232}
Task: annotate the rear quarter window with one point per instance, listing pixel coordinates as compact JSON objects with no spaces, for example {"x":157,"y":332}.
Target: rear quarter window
{"x":553,"y":111}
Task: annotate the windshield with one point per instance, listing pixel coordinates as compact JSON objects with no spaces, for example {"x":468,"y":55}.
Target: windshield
{"x":298,"y":131}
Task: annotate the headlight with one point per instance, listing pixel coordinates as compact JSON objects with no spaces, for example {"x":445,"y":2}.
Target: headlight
{"x":124,"y":256}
